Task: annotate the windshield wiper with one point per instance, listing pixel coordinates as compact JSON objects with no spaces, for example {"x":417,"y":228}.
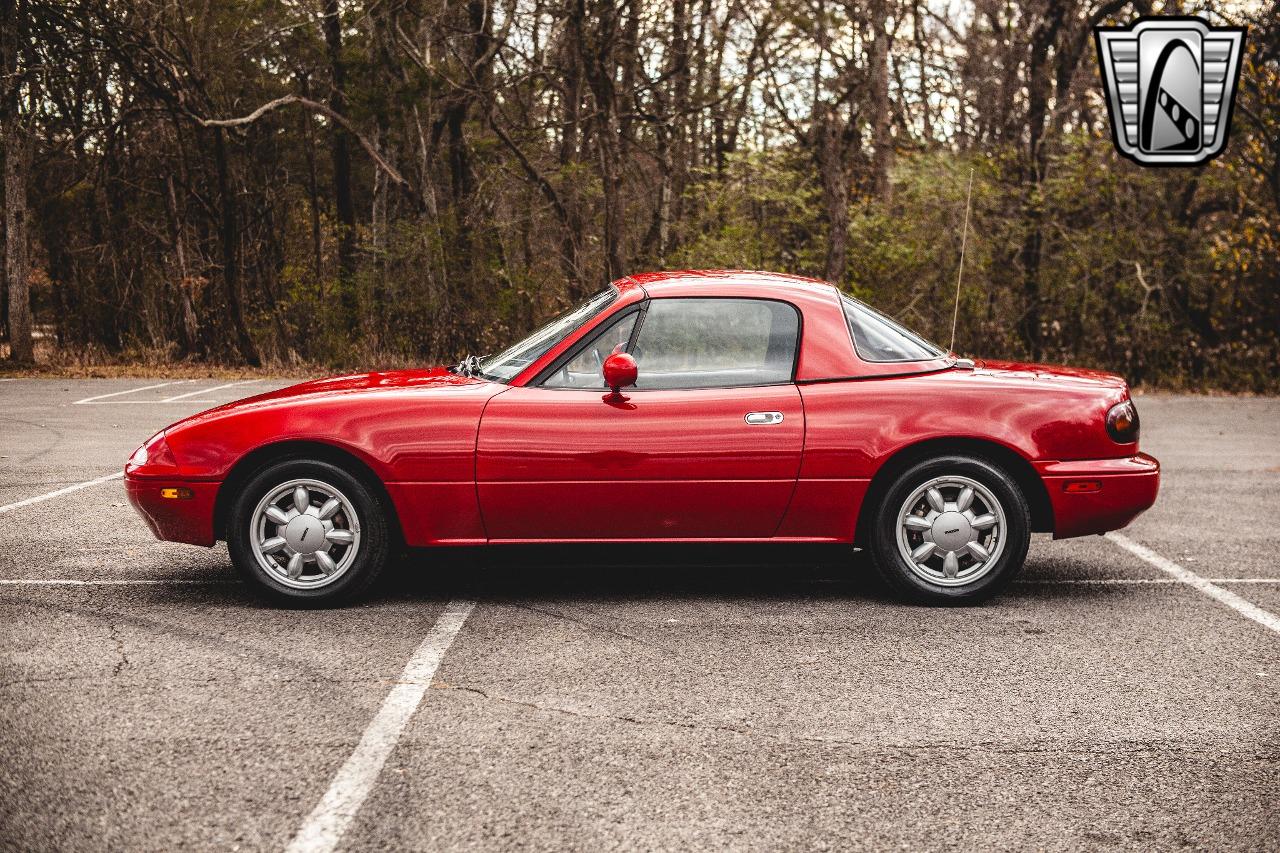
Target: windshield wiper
{"x":469,"y":366}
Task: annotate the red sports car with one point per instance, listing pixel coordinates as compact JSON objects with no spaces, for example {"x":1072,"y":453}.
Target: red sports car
{"x":669,"y":407}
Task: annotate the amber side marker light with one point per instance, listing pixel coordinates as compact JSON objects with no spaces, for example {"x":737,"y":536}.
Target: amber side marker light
{"x":178,"y":494}
{"x":1079,"y":487}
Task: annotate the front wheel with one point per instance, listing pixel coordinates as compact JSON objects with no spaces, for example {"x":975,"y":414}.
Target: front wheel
{"x":952,"y":530}
{"x":307,"y":533}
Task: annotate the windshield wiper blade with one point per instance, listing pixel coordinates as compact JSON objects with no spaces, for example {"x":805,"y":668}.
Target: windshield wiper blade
{"x":469,"y":366}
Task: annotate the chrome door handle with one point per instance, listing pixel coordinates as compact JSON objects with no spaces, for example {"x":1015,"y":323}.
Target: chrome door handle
{"x":764,"y":418}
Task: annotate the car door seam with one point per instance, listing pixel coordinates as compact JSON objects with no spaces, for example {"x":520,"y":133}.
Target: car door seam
{"x":795,"y":483}
{"x":475,"y":463}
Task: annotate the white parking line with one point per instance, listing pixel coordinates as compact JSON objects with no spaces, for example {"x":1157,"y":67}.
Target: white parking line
{"x":111,"y":582}
{"x":77,"y":487}
{"x":129,"y":391}
{"x":1208,"y":587}
{"x":1131,"y":581}
{"x":323,"y":828}
{"x":208,"y":391}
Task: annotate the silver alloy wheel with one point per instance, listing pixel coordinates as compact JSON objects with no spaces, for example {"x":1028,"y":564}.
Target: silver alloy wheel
{"x":305,"y":533}
{"x":951,"y":531}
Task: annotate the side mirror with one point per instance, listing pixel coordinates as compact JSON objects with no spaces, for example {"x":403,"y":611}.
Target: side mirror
{"x":620,"y":371}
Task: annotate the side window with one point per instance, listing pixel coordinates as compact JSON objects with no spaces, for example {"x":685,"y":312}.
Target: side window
{"x":716,"y":343}
{"x":584,"y":370}
{"x":877,"y":338}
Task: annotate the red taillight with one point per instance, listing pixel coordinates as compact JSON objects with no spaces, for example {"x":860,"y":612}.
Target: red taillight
{"x":1122,"y":422}
{"x":1081,"y":487}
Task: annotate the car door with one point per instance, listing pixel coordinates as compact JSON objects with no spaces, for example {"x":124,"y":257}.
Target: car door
{"x":707,"y":445}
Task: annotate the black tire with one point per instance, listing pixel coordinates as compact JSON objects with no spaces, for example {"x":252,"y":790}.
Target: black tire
{"x":371,"y":521}
{"x":907,"y":582}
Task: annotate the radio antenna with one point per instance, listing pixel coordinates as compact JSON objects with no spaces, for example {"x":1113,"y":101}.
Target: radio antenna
{"x":964,"y":237}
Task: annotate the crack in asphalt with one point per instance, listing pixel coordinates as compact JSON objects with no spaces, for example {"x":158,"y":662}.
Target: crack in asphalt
{"x":604,"y":629}
{"x":52,"y":433}
{"x":995,"y":747}
{"x":219,"y":644}
{"x":170,"y":681}
{"x":555,"y":709}
{"x":114,"y":631}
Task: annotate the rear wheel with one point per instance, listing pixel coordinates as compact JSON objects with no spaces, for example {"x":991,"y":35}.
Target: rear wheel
{"x":952,"y":530}
{"x":308,"y":533}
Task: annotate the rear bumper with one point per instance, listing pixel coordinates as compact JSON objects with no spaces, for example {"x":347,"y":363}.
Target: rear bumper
{"x":175,"y":520}
{"x":1097,"y":495}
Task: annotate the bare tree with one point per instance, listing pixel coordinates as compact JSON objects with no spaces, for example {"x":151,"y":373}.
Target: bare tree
{"x":15,"y":131}
{"x":354,"y":181}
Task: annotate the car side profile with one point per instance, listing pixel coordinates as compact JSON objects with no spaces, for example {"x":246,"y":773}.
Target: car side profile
{"x":696,"y":406}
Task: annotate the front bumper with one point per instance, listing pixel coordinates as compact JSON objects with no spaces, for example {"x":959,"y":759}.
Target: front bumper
{"x":1097,"y":495}
{"x":175,"y":520}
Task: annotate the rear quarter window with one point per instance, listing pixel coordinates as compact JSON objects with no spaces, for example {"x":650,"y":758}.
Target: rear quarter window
{"x":878,"y":339}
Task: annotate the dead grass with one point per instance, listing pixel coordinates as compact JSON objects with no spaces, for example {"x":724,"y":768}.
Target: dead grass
{"x":156,"y":371}
{"x":60,"y":363}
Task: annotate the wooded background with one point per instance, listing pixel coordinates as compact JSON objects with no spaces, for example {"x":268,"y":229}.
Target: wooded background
{"x":365,"y":183}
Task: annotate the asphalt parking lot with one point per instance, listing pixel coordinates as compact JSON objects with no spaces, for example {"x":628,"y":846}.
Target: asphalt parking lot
{"x":633,"y":699}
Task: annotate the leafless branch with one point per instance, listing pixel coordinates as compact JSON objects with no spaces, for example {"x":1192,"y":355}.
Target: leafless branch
{"x":375,"y":155}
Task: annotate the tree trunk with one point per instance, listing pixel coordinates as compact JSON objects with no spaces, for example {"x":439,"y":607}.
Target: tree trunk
{"x":570,"y":149}
{"x":378,"y":240}
{"x":17,"y":161}
{"x":611,"y":179}
{"x":922,"y":57}
{"x":697,"y":129}
{"x":190,"y":326}
{"x":313,"y":194}
{"x":835,"y":191}
{"x":342,"y":197}
{"x":17,"y":164}
{"x":230,"y":238}
{"x":882,"y":138}
{"x":4,"y":278}
{"x":600,"y":63}
{"x":1038,"y":81}
{"x":656,"y":238}
{"x":679,"y":121}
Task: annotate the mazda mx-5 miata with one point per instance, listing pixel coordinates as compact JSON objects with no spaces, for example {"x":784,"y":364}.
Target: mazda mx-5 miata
{"x":704,"y":406}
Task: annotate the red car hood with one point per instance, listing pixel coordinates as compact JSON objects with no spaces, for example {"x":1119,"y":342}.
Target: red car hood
{"x":1050,"y":372}
{"x":381,"y":380}
{"x":333,"y":387}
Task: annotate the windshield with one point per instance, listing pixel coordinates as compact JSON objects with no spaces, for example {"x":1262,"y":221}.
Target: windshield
{"x":877,"y":338}
{"x":504,"y":366}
